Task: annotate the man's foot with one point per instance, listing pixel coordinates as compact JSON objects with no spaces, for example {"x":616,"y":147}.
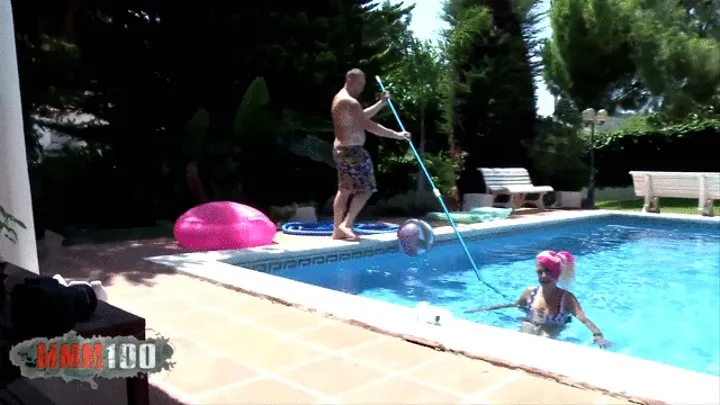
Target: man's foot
{"x":349,"y":234}
{"x":345,"y":233}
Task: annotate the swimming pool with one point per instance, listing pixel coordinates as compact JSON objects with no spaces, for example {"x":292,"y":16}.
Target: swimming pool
{"x":651,"y":285}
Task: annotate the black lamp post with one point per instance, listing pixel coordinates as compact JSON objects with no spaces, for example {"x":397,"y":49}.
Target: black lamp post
{"x":592,"y":118}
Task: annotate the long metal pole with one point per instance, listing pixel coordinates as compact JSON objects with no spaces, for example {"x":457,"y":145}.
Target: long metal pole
{"x":438,"y":195}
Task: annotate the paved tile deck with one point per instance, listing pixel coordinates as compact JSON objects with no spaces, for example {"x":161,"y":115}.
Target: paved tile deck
{"x":232,"y":348}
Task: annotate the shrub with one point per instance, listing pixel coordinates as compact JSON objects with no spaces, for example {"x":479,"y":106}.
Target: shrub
{"x":398,"y":184}
{"x":559,"y":155}
{"x":688,"y":147}
{"x":281,"y":214}
{"x":409,"y":204}
{"x":82,"y":188}
{"x":398,"y":174}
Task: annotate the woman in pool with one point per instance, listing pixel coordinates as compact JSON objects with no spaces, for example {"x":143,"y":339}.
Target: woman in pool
{"x":549,"y":307}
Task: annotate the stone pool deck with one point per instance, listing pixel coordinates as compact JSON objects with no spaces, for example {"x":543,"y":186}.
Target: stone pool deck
{"x":233,"y":348}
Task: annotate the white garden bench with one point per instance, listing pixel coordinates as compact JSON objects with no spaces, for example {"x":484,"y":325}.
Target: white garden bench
{"x":705,"y":186}
{"x":513,"y":182}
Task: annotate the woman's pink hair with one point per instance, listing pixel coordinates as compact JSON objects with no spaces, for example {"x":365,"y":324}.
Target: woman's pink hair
{"x":560,"y":264}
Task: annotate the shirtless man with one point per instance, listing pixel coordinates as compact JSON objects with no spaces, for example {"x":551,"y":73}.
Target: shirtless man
{"x":356,"y":177}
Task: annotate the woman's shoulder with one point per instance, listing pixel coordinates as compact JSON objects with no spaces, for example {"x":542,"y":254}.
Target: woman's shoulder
{"x":567,"y":294}
{"x":525,"y":293}
{"x":529,"y":291}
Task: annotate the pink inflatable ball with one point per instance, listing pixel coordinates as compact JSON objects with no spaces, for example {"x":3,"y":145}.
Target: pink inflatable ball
{"x":223,"y":225}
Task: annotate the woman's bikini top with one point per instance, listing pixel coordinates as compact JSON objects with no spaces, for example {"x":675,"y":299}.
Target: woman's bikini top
{"x":561,"y":318}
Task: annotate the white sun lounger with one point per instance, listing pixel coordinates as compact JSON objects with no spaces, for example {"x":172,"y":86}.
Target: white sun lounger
{"x":512,"y":182}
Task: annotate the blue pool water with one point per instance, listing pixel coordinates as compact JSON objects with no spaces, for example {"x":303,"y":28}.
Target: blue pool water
{"x":652,"y":286}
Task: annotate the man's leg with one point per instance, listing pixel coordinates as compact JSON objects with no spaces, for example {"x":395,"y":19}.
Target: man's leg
{"x":365,"y":186}
{"x":360,"y":177}
{"x":345,"y":187}
{"x":356,"y":205}
{"x":340,"y":207}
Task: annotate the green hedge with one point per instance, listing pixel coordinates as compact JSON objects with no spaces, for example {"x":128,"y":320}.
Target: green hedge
{"x":398,"y":174}
{"x":688,"y":147}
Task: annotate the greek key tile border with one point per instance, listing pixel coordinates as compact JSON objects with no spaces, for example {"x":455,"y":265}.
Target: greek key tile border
{"x":270,"y":266}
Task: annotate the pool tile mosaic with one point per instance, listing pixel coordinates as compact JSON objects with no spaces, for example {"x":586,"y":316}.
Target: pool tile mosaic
{"x":382,"y":247}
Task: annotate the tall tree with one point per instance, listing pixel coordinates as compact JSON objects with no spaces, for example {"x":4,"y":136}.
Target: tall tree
{"x":414,"y":81}
{"x":648,"y":54}
{"x":490,"y":102}
{"x":588,"y":57}
{"x":301,"y":49}
{"x":47,"y":62}
{"x":145,"y":68}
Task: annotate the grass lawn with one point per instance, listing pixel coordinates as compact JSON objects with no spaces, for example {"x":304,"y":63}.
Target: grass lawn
{"x":667,"y":205}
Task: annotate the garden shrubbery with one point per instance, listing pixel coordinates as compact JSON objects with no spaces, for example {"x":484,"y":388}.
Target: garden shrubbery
{"x":559,"y":155}
{"x":404,"y":191}
{"x":692,"y":146}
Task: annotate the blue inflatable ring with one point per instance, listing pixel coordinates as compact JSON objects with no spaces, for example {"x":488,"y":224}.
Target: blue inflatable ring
{"x":325,"y":228}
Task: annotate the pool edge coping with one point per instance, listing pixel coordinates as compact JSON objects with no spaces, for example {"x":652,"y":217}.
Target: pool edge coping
{"x":398,"y":321}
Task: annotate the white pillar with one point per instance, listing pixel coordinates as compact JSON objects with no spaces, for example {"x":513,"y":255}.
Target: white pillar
{"x":14,"y":179}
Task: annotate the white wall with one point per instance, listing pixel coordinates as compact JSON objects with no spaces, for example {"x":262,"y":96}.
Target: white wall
{"x":14,"y":178}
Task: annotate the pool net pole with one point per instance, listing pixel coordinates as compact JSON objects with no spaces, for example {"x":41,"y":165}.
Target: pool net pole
{"x":438,"y":195}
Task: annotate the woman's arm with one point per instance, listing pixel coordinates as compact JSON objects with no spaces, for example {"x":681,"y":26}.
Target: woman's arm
{"x":519,"y":303}
{"x":492,"y":308}
{"x":573,"y":306}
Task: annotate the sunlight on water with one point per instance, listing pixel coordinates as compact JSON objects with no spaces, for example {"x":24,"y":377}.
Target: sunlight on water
{"x":653,"y":289}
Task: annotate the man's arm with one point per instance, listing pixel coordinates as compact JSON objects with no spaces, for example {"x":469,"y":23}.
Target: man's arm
{"x":374,"y":109}
{"x":358,"y":115}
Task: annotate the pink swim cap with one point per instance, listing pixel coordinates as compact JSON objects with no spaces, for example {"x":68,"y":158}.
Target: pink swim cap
{"x":552,"y":262}
{"x":569,"y":259}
